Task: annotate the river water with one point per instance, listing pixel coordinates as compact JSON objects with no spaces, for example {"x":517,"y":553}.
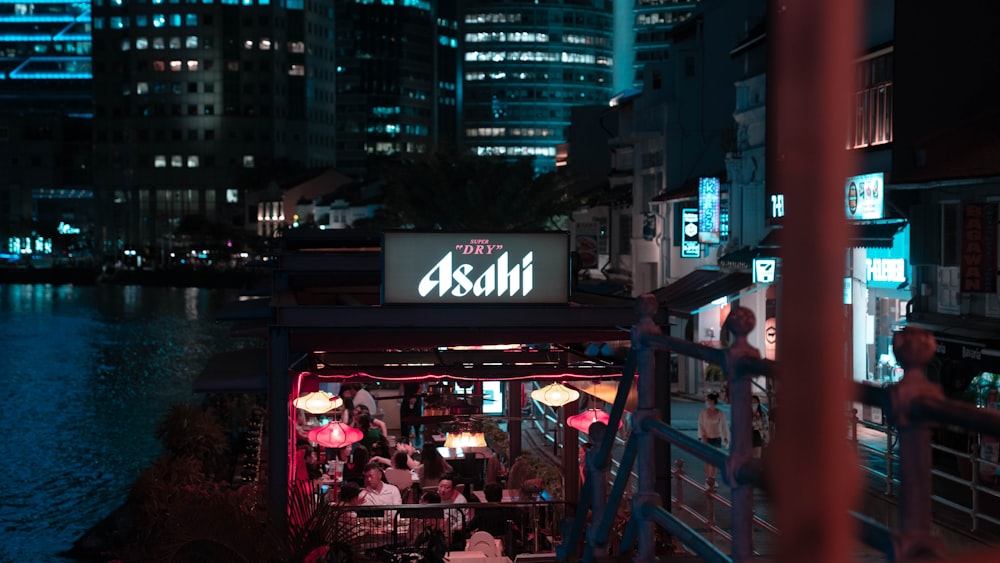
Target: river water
{"x":87,"y":372}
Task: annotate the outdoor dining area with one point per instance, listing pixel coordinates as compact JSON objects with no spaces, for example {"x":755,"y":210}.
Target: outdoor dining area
{"x":375,"y":496}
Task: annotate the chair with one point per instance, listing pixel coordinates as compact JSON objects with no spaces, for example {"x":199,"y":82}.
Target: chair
{"x":485,"y":543}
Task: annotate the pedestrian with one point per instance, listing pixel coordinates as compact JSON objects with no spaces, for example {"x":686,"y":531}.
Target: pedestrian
{"x":760,"y":426}
{"x":712,"y":430}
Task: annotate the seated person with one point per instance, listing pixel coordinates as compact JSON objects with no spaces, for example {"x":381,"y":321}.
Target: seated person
{"x":375,"y":423}
{"x":432,"y":467}
{"x":494,"y":520}
{"x":430,"y":529}
{"x":451,"y":495}
{"x":377,"y":492}
{"x":399,"y":474}
{"x":401,"y":448}
{"x":373,"y":438}
{"x":354,"y":467}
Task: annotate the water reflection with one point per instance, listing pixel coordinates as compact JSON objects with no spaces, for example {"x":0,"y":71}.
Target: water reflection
{"x":87,"y":373}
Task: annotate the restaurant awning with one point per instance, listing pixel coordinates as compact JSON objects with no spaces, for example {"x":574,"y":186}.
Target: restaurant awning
{"x":867,"y":234}
{"x":238,"y":371}
{"x":696,"y":291}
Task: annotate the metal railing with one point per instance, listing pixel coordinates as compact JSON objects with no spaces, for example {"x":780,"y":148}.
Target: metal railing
{"x":913,"y":405}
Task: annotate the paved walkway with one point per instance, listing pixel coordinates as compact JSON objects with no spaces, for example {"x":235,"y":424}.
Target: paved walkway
{"x":684,"y":417}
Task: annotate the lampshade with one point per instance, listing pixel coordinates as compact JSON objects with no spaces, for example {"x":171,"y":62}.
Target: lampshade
{"x":335,"y":435}
{"x":318,"y":402}
{"x":465,"y":440}
{"x":583,"y":420}
{"x":555,"y":395}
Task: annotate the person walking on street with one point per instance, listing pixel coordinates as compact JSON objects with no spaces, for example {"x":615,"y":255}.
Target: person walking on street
{"x":760,"y":426}
{"x":712,"y":430}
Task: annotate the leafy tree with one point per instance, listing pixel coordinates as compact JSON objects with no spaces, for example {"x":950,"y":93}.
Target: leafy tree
{"x":457,"y":191}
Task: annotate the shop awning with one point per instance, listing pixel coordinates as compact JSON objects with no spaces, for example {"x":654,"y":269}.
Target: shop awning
{"x":963,"y":339}
{"x":239,"y":371}
{"x":688,"y":295}
{"x":861,"y":235}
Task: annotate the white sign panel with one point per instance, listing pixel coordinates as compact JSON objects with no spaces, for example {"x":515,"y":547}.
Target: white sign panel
{"x":865,"y":197}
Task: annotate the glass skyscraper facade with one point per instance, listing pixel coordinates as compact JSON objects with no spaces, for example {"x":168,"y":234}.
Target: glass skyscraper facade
{"x":654,"y":25}
{"x":397,"y":89}
{"x":526,"y":65}
{"x":45,"y":57}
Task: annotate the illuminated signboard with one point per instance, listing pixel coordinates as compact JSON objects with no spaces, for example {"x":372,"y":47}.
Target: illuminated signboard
{"x":474,"y":268}
{"x":889,"y":267}
{"x":690,"y":247}
{"x":865,"y":197}
{"x":709,"y":194}
{"x":765,"y":270}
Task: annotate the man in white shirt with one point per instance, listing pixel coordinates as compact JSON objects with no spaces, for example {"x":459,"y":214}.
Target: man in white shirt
{"x":377,"y":492}
{"x":451,"y":495}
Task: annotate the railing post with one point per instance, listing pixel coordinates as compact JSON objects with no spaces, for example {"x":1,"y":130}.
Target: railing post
{"x":597,"y":479}
{"x":854,"y":427}
{"x":679,"y":482}
{"x":974,"y":456}
{"x":740,"y":322}
{"x":646,"y":497}
{"x":890,"y":474}
{"x":914,"y":348}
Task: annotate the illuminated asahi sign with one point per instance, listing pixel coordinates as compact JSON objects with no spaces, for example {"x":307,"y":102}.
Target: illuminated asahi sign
{"x":498,"y":277}
{"x":464,"y":268}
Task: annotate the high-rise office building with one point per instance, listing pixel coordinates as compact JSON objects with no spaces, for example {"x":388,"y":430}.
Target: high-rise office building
{"x":654,"y":25}
{"x":45,"y":109}
{"x":526,"y":65}
{"x":45,"y":57}
{"x":197,"y":101}
{"x":397,"y":91}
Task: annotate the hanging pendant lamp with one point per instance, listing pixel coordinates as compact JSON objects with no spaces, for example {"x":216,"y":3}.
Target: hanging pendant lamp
{"x":318,"y":402}
{"x":555,"y":395}
{"x":335,"y":435}
{"x":583,"y":420}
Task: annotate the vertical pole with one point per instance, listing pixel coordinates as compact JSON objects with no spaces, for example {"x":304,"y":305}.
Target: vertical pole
{"x":914,"y":348}
{"x":741,"y":322}
{"x":514,"y":426}
{"x":646,"y":497}
{"x":571,"y":455}
{"x":280,"y":442}
{"x":811,"y":46}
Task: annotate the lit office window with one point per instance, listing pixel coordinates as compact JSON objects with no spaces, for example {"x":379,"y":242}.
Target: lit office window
{"x":159,"y":66}
{"x":175,"y":20}
{"x":191,"y":20}
{"x":117,"y":23}
{"x":248,"y":161}
{"x":160,"y":161}
{"x":297,"y":47}
{"x":297,"y":70}
{"x":158,"y":44}
{"x":141,"y":43}
{"x":142,"y":88}
{"x":265,"y":44}
{"x":126,"y":45}
{"x":192,"y":65}
{"x":191,"y":41}
{"x":176,"y":161}
{"x":141,"y":20}
{"x":159,"y":20}
{"x":175,"y":43}
{"x":248,"y":44}
{"x":176,"y":66}
{"x":193,"y":161}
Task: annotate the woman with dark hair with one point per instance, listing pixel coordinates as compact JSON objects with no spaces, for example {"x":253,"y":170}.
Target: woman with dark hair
{"x":373,"y":438}
{"x":354,"y":469}
{"x":760,"y":426}
{"x":432,"y":467}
